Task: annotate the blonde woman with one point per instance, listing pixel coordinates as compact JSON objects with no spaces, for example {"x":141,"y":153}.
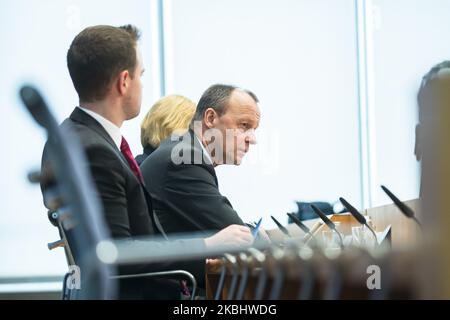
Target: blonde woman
{"x":171,"y":114}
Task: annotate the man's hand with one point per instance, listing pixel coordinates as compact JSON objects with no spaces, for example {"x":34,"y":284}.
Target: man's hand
{"x":234,"y":235}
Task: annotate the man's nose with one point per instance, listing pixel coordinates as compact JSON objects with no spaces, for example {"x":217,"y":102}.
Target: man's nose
{"x":250,"y":136}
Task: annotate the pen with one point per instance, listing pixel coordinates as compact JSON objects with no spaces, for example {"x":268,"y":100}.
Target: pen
{"x":255,"y":230}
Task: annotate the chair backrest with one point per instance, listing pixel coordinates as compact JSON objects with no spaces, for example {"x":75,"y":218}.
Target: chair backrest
{"x":69,"y":289}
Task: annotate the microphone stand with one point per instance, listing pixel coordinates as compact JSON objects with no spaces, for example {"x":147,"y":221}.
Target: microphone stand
{"x":329,"y":223}
{"x":277,"y":273}
{"x":260,"y":258}
{"x":304,"y":228}
{"x":234,"y":274}
{"x":358,"y":216}
{"x":243,"y":261}
{"x":72,"y":185}
{"x":223,"y":271}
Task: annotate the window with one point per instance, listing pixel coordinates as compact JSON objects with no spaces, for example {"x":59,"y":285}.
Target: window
{"x":299,"y":59}
{"x":34,"y":47}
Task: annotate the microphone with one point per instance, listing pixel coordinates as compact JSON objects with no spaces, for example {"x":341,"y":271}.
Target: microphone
{"x":73,"y":181}
{"x":300,"y":224}
{"x":407,"y":211}
{"x":280,"y":226}
{"x":328,"y":222}
{"x":358,"y":216}
{"x":36,"y":106}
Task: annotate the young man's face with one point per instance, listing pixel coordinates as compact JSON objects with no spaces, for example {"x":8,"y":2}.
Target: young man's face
{"x":134,"y":93}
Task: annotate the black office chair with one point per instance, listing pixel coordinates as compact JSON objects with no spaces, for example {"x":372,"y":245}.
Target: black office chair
{"x":68,"y":293}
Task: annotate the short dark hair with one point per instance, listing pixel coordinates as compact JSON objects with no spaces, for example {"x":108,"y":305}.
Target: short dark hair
{"x":97,"y":55}
{"x":426,"y":79}
{"x":216,"y":97}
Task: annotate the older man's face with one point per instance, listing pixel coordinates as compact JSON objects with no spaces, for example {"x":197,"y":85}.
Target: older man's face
{"x":237,"y":125}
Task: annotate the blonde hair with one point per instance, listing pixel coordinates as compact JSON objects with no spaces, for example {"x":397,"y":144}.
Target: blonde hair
{"x":171,"y":114}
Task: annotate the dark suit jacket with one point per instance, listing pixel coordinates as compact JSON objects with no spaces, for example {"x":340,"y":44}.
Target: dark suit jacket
{"x":186,"y":196}
{"x":127,"y":207}
{"x":148,"y":150}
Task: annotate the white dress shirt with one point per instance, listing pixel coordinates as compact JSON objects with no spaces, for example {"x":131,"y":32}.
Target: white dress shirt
{"x":111,"y":128}
{"x":208,"y":156}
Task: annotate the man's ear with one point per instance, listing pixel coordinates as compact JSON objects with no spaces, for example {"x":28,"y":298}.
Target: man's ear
{"x":418,"y":143}
{"x":209,"y":118}
{"x":122,"y":82}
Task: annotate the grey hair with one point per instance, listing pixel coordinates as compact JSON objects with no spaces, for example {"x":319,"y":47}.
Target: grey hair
{"x":427,"y":78}
{"x":216,"y":97}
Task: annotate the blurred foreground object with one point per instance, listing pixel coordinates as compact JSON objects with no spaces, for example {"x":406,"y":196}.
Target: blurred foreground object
{"x":435,"y":188}
{"x":68,"y":189}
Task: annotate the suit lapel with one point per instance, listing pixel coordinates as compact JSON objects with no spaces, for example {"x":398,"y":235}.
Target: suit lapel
{"x":197,"y":148}
{"x":80,"y":116}
{"x":153,"y":215}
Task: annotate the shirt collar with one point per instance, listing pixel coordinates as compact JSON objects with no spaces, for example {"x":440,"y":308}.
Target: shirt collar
{"x":111,"y":128}
{"x":205,"y":152}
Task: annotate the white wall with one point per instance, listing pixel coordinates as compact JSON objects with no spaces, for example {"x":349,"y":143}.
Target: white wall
{"x":409,"y":37}
{"x":299,"y":58}
{"x":35,"y":37}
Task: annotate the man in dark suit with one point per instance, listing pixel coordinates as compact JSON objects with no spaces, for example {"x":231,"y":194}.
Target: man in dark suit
{"x":105,"y":65}
{"x":184,"y":183}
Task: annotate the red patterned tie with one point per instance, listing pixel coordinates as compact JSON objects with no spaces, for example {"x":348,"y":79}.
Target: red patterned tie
{"x":126,"y":151}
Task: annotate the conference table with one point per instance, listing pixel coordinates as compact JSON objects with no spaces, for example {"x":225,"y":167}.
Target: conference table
{"x":296,"y":268}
